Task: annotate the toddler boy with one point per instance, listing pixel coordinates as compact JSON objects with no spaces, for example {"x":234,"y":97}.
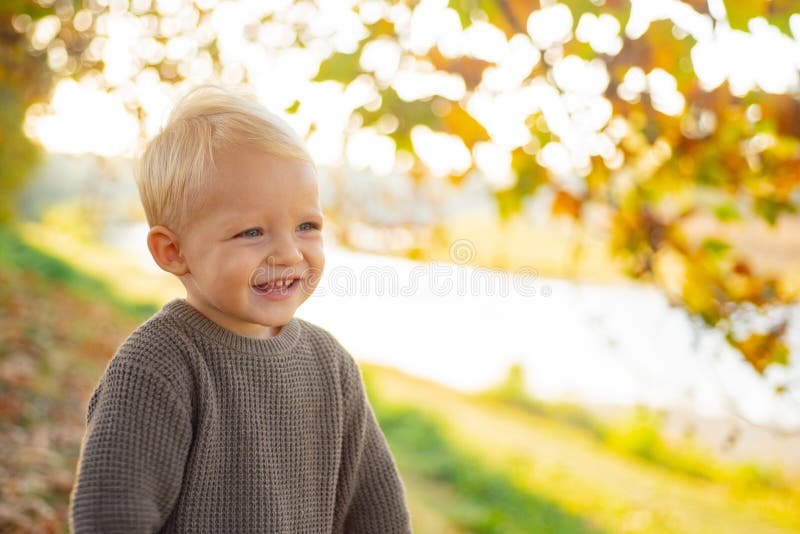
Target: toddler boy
{"x":223,"y":412}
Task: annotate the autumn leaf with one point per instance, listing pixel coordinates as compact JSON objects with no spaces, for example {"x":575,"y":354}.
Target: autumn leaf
{"x":761,"y":350}
{"x":565,"y":203}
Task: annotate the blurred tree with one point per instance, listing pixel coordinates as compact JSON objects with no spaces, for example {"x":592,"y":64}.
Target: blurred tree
{"x":24,"y":79}
{"x":635,"y":107}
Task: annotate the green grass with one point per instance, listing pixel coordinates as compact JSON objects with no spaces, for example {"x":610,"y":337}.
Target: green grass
{"x":16,"y":255}
{"x":563,"y":465}
{"x":59,"y":327}
{"x":640,"y":434}
{"x":488,"y":501}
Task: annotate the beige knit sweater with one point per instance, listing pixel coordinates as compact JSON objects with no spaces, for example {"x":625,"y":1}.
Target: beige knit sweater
{"x":194,"y":428}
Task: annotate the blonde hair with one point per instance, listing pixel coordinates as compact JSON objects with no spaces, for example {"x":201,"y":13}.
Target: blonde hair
{"x":179,"y":161}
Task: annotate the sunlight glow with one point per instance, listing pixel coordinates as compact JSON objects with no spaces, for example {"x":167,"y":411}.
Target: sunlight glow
{"x":83,"y":115}
{"x":419,"y":80}
{"x":433,"y":23}
{"x":556,"y":157}
{"x":495,"y":163}
{"x":664,"y":93}
{"x":575,"y":75}
{"x":381,"y":56}
{"x":485,"y":41}
{"x":513,"y":67}
{"x":152,"y":92}
{"x":46,"y":30}
{"x":503,"y":115}
{"x":634,"y":83}
{"x":442,"y":153}
{"x":602,"y":33}
{"x":259,"y":43}
{"x":120,"y":62}
{"x":324,"y":103}
{"x":764,"y":58}
{"x":367,"y":149}
{"x":550,"y":25}
{"x":643,"y":12}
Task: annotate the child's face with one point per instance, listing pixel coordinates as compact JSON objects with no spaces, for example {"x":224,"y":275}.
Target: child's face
{"x":261,"y":222}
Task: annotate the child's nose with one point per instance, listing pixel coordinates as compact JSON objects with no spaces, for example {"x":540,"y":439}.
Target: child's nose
{"x":284,"y":251}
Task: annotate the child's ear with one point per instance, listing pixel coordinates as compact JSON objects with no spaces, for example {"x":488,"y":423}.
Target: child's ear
{"x":165,"y":249}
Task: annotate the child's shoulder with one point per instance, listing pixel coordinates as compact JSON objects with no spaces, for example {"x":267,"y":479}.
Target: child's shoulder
{"x":152,"y":358}
{"x":157,"y":345}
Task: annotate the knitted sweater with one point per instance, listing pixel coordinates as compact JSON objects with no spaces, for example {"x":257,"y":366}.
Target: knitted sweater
{"x":193,"y":428}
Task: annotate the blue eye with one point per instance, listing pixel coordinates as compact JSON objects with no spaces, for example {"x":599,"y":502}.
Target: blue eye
{"x":314,"y":226}
{"x":252,"y":232}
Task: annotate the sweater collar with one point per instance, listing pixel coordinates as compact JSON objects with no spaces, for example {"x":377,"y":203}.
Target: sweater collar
{"x":283,"y":342}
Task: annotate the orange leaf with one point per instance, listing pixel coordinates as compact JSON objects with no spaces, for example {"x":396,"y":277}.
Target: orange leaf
{"x":566,"y":204}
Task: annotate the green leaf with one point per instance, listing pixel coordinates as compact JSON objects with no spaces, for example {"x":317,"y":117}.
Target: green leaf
{"x":529,"y":177}
{"x":464,"y":8}
{"x":770,"y":209}
{"x":339,"y":67}
{"x":409,"y":114}
{"x":777,"y":12}
{"x":727,"y":212}
{"x":715,"y":247}
{"x":294,"y":107}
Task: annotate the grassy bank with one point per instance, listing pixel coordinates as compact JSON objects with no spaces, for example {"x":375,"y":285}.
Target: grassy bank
{"x":58,"y":327}
{"x":640,"y":433}
{"x":469,"y":496}
{"x":610,"y":490}
{"x":17,"y":257}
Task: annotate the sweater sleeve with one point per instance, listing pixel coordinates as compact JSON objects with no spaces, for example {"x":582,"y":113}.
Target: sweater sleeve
{"x":133,"y":453}
{"x":373,"y":495}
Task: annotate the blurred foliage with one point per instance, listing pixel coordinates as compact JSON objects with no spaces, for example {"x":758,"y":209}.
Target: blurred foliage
{"x":732,"y":156}
{"x":24,"y":79}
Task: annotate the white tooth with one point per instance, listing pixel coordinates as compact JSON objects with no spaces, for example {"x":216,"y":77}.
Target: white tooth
{"x":277,"y":284}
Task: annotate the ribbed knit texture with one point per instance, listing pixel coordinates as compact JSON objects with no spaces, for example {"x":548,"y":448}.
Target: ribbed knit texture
{"x":193,"y":428}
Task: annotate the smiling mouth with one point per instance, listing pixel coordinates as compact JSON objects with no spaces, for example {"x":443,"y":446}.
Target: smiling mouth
{"x":272,"y":287}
